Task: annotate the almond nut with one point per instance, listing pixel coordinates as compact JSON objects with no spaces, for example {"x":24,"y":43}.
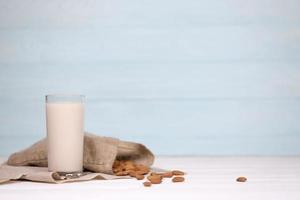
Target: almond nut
{"x":147,"y":184}
{"x":139,"y":176}
{"x":241,"y":179}
{"x":155,"y":179}
{"x":177,"y":173}
{"x":178,"y":179}
{"x":167,"y":175}
{"x":123,"y":173}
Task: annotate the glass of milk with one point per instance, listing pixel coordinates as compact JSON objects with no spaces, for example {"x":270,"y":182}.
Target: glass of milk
{"x":65,"y":132}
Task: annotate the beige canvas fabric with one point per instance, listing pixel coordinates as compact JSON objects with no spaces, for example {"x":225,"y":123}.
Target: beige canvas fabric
{"x":41,"y":174}
{"x":99,"y":155}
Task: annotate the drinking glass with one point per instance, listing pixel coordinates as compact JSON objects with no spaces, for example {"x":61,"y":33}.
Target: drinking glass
{"x":65,"y":133}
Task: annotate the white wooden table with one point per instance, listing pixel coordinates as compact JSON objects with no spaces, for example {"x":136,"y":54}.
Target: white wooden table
{"x":208,"y":178}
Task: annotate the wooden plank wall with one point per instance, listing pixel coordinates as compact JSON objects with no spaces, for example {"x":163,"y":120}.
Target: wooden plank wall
{"x":183,"y":77}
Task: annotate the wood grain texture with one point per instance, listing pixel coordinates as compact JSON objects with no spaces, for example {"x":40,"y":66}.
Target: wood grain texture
{"x":195,"y":44}
{"x":117,"y":80}
{"x":224,"y":127}
{"x":207,"y":178}
{"x":117,"y":13}
{"x":219,"y":77}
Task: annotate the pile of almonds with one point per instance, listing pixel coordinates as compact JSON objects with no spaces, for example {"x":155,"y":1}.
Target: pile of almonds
{"x":129,"y":168}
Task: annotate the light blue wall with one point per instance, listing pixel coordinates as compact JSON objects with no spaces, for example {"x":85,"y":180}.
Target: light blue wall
{"x":184,"y":77}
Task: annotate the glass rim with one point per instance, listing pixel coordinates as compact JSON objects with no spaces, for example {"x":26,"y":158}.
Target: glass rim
{"x":64,"y":98}
{"x":64,"y":95}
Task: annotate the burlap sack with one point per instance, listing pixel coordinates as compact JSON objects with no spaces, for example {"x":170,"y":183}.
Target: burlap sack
{"x":99,"y":155}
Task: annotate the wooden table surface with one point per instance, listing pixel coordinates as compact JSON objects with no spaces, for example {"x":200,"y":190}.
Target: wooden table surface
{"x":208,"y":178}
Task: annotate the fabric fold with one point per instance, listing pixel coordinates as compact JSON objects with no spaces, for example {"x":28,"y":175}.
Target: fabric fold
{"x":100,"y":152}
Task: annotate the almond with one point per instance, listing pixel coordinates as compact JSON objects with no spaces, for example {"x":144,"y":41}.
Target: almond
{"x":167,"y":175}
{"x":147,"y":184}
{"x":177,"y":172}
{"x":123,"y":173}
{"x":178,"y":179}
{"x":139,"y":176}
{"x":132,"y":174}
{"x":141,"y":169}
{"x":241,"y":179}
{"x":156,"y":179}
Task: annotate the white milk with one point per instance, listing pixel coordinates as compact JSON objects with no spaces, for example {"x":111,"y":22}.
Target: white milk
{"x":65,"y":136}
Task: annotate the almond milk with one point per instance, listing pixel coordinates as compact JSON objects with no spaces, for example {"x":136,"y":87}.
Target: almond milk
{"x":65,"y":132}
